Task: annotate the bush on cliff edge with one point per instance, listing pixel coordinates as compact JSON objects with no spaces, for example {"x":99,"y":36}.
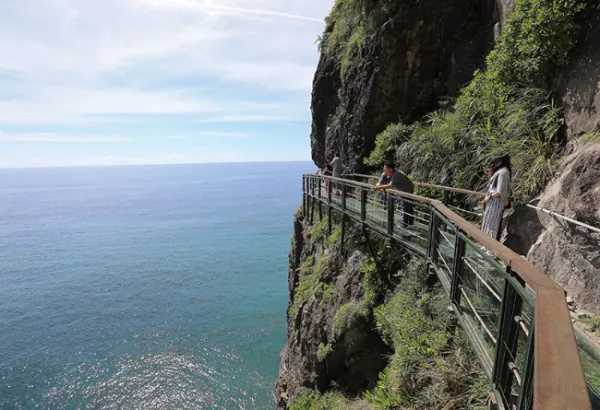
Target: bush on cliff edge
{"x":506,"y":108}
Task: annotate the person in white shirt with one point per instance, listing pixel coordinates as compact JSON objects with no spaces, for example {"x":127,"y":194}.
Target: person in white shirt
{"x":497,"y":197}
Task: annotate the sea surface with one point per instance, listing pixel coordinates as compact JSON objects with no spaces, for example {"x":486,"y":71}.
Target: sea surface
{"x":144,"y":287}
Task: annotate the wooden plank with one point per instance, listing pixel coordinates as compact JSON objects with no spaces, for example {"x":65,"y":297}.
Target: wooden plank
{"x":559,"y":383}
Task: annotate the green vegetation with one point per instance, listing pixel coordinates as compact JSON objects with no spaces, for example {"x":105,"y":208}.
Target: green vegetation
{"x":348,"y":316}
{"x":323,"y":351}
{"x":316,"y":401}
{"x":386,"y":143}
{"x":312,"y":269}
{"x":352,"y":313}
{"x":592,"y":322}
{"x":307,"y":285}
{"x":433,"y":366}
{"x":506,"y":109}
{"x":347,"y":29}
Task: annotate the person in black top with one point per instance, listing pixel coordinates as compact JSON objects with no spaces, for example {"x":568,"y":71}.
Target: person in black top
{"x":328,"y":170}
{"x":398,"y":180}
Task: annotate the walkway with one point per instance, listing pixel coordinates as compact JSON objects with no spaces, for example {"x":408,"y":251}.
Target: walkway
{"x":514,"y":315}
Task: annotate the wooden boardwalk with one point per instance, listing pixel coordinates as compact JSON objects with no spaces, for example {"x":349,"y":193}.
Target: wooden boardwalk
{"x":515,"y":317}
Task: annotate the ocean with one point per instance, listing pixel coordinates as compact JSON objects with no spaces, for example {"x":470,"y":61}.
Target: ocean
{"x":144,"y":287}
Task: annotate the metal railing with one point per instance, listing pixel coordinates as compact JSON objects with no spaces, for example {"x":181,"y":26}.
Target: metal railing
{"x":515,"y":316}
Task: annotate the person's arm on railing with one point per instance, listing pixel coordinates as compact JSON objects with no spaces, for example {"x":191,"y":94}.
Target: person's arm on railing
{"x":381,"y":187}
{"x":382,"y":184}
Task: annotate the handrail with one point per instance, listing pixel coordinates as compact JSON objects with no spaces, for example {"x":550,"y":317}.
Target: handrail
{"x":566,"y":218}
{"x":432,"y":186}
{"x":552,"y":373}
{"x":481,"y":194}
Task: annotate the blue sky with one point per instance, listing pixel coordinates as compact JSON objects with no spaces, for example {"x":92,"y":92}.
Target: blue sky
{"x":114,"y":82}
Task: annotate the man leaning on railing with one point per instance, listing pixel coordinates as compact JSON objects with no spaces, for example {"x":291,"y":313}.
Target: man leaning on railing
{"x":398,"y":180}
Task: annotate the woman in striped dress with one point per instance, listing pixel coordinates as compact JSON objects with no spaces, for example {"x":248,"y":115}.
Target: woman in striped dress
{"x":497,"y":196}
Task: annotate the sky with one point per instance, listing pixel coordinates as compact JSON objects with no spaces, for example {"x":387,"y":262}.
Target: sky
{"x":122,"y":82}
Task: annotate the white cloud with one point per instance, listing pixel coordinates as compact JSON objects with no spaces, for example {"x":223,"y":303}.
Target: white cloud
{"x":102,"y":70}
{"x":210,"y":134}
{"x":204,"y":7}
{"x":57,"y":138}
{"x":69,"y":58}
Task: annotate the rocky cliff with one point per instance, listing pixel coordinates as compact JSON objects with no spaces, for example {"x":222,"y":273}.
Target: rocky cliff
{"x":419,"y":53}
{"x":408,"y":62}
{"x":347,"y":347}
{"x":323,"y":350}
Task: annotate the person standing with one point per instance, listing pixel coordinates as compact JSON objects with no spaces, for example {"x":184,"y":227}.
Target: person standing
{"x":497,"y":197}
{"x":328,"y":169}
{"x":398,"y":180}
{"x":337,"y":165}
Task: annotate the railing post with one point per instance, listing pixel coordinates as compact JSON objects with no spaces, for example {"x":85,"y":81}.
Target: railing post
{"x":446,"y":200}
{"x":344,"y":197}
{"x":390,"y":215}
{"x":304,"y":195}
{"x":320,"y":205}
{"x":319,"y":194}
{"x":343,"y":233}
{"x":526,"y":397}
{"x":363,"y":204}
{"x":458,"y":265}
{"x":433,"y":236}
{"x":507,"y":342}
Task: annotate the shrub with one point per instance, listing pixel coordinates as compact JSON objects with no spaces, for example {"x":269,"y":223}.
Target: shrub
{"x":593,"y":322}
{"x":508,"y":108}
{"x":316,"y":401}
{"x":348,"y":316}
{"x":433,"y":366}
{"x":387,"y":142}
{"x":323,"y":351}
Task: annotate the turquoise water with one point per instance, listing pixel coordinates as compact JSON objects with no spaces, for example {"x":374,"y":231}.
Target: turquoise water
{"x":148,"y":287}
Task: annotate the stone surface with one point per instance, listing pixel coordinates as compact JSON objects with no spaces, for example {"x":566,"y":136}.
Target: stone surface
{"x":522,"y":228}
{"x":358,"y":355}
{"x":578,"y":84}
{"x":426,"y":51}
{"x":568,"y":253}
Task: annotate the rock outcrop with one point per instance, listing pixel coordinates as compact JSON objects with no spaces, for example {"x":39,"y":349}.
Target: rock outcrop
{"x":315,"y":356}
{"x":578,"y":84}
{"x":568,"y":253}
{"x":423,"y":52}
{"x":426,"y":51}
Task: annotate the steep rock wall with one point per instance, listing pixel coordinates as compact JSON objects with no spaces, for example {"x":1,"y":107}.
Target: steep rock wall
{"x":568,"y":253}
{"x":315,"y":355}
{"x":427,"y":50}
{"x":578,"y":84}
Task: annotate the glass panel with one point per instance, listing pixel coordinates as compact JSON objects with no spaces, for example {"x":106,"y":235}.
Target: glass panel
{"x":411,"y":223}
{"x":444,"y":249}
{"x":481,"y":296}
{"x":353,"y":200}
{"x":377,"y":209}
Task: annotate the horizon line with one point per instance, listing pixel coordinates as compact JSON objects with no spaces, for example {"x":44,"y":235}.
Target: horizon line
{"x":153,"y":164}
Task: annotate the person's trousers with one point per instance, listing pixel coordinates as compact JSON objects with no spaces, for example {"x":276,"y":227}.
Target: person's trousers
{"x":407,"y":213}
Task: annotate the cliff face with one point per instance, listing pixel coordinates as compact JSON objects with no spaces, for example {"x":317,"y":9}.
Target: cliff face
{"x":578,"y":83}
{"x":368,"y":327}
{"x":325,"y":347}
{"x":421,"y":52}
{"x":424,"y":51}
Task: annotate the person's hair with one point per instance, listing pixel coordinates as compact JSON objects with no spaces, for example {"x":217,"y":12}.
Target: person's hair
{"x":337,"y":154}
{"x":388,"y":164}
{"x":501,"y":162}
